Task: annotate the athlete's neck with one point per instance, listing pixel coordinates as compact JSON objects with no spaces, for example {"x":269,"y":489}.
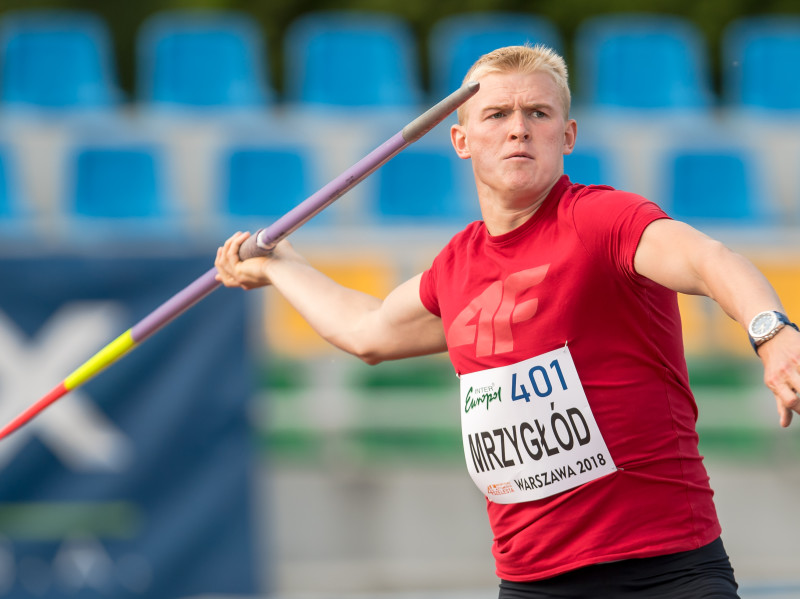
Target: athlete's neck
{"x":504,"y":214}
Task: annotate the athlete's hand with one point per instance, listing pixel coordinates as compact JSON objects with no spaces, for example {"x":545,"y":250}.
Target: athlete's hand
{"x":247,"y":274}
{"x":781,"y":358}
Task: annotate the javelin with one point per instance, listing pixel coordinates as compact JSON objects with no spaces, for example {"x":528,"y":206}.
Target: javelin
{"x":260,"y":244}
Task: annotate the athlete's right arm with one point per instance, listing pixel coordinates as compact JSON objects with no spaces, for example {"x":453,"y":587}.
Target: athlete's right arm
{"x":372,"y":329}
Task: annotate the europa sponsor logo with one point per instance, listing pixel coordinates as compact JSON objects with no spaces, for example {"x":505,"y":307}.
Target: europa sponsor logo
{"x":500,"y":489}
{"x":482,"y":395}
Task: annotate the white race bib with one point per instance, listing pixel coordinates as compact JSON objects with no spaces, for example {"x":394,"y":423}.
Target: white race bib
{"x":528,"y":430}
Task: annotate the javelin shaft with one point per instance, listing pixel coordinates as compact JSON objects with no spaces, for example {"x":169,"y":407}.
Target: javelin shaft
{"x":260,"y":244}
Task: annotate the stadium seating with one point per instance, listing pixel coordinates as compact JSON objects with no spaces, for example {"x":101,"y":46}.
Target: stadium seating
{"x":458,"y":41}
{"x":117,"y":182}
{"x":118,"y":185}
{"x":56,"y":60}
{"x":202,"y":59}
{"x":424,"y":184}
{"x":641,"y":61}
{"x":760,"y":58}
{"x":589,"y":166}
{"x":358,"y":61}
{"x":265,"y":180}
{"x":352,"y":60}
{"x":714,"y":186}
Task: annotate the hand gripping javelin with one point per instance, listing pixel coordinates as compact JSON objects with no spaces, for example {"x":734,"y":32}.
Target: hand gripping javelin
{"x":260,"y":244}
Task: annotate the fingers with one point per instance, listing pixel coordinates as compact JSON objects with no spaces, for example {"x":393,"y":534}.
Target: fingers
{"x":781,"y":357}
{"x":234,"y":244}
{"x":784,"y":386}
{"x":788,"y":403}
{"x":227,"y":260}
{"x":232,"y":271}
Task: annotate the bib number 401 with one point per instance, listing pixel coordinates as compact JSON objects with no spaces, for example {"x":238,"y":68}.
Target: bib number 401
{"x":540,"y":382}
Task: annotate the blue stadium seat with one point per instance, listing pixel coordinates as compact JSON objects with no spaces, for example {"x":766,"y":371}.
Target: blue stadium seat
{"x":719,"y":186}
{"x":589,"y":166}
{"x":117,"y":183}
{"x":760,"y":58}
{"x":351,"y":59}
{"x":425,"y":184}
{"x":202,"y":59}
{"x":265,"y":180}
{"x":56,"y":60}
{"x":456,"y":42}
{"x":643,"y":62}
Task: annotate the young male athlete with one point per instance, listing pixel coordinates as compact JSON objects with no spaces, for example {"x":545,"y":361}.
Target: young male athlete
{"x":560,"y":316}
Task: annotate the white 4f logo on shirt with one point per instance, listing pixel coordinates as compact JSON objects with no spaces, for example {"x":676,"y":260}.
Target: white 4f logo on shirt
{"x":487,"y":320}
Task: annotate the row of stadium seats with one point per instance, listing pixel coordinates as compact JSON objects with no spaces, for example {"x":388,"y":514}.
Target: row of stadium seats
{"x":145,"y":182}
{"x":65,"y":60}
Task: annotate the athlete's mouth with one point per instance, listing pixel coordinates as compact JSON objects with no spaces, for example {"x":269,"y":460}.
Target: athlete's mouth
{"x":519,"y":155}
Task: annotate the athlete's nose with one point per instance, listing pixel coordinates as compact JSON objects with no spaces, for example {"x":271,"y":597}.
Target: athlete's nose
{"x":518,"y":126}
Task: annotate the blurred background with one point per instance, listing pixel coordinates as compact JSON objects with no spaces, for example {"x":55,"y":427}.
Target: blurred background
{"x":234,"y":454}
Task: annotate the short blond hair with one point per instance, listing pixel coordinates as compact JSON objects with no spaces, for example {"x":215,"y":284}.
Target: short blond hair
{"x":522,"y":59}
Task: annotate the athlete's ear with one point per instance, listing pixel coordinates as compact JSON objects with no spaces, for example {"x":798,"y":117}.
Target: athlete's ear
{"x":458,"y":137}
{"x":570,"y":135}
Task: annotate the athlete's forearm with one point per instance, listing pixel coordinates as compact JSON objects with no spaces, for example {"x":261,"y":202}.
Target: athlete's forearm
{"x":340,"y":315}
{"x":372,"y":329}
{"x":734,"y":282}
{"x":335,"y":312}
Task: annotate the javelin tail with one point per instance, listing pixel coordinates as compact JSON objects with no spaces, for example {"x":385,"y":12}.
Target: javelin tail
{"x":101,"y":360}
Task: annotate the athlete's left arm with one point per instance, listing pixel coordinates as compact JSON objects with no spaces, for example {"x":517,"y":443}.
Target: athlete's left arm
{"x":677,"y":256}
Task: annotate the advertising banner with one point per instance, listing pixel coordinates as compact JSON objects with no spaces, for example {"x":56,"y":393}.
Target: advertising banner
{"x":136,"y":484}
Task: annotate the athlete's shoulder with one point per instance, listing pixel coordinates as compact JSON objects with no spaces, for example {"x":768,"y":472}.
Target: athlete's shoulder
{"x":473,"y":233}
{"x":602,"y":198}
{"x":582,"y":192}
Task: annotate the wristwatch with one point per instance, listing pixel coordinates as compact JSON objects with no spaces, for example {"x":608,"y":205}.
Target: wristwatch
{"x":765,"y":325}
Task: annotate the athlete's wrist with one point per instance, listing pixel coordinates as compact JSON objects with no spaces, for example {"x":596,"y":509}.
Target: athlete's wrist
{"x":765,"y":326}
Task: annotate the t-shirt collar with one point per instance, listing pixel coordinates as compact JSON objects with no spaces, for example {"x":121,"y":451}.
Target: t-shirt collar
{"x":555,"y":193}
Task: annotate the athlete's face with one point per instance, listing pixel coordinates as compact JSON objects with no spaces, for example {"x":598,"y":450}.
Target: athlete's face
{"x":516,"y":133}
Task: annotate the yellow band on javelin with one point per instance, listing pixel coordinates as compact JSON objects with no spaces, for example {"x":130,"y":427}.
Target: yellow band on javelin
{"x":105,"y":357}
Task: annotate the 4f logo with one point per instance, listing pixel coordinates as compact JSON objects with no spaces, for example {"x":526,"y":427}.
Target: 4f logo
{"x":486,"y":321}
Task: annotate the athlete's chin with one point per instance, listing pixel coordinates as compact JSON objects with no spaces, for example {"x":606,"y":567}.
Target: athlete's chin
{"x":517,"y":182}
{"x":523,"y":186}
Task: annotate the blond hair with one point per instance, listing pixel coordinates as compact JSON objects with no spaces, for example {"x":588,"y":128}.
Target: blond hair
{"x":526,"y":60}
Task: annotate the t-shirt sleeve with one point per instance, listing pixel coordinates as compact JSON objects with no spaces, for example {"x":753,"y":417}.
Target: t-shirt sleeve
{"x":428,"y":293}
{"x":443,"y":265}
{"x":610,"y":224}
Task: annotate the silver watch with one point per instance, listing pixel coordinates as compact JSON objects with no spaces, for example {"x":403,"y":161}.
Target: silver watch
{"x":765,"y":325}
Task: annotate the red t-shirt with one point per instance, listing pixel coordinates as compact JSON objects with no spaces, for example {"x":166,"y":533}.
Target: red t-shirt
{"x":566,"y":276}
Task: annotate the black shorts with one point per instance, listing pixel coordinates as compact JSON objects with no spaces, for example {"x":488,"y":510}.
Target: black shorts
{"x":703,"y":573}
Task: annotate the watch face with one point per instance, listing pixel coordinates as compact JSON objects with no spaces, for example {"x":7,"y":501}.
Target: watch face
{"x":763,"y":324}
